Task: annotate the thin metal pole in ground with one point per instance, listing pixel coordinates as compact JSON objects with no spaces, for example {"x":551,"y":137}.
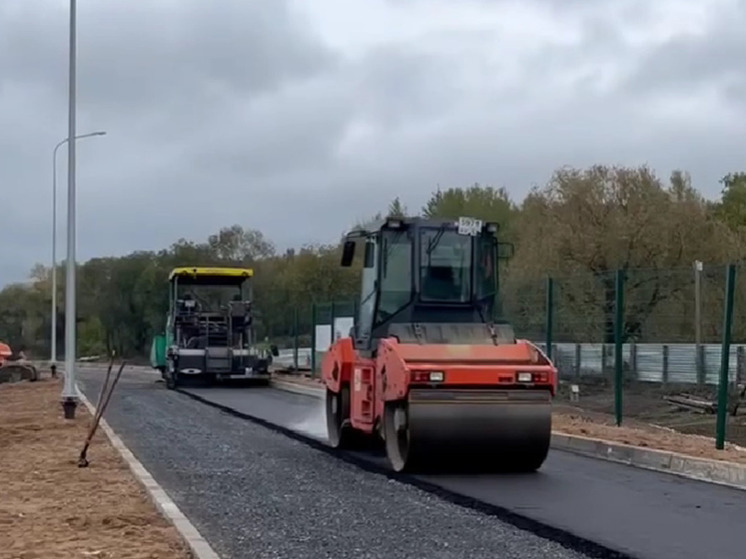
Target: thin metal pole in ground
{"x":730,"y":285}
{"x":69,"y":391}
{"x":549,"y":316}
{"x":618,"y":344}
{"x":53,"y":349}
{"x":698,"y":322}
{"x":295,"y":339}
{"x":313,"y":340}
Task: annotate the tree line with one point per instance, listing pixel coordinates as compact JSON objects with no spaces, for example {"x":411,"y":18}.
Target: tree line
{"x":579,"y":228}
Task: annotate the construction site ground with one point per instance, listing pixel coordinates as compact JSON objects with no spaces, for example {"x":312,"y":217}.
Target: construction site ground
{"x":648,"y":421}
{"x":644,"y":407}
{"x":50,"y":508}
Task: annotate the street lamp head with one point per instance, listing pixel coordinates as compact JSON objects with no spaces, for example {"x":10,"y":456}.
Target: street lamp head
{"x":100,"y":133}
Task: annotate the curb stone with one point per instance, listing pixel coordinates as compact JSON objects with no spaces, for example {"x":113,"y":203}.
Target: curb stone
{"x":699,"y":469}
{"x":198,"y":546}
{"x":298,"y":388}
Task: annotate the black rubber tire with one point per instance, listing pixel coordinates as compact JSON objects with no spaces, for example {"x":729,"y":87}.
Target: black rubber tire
{"x":170,"y":381}
{"x":397,"y":442}
{"x":337,"y":413}
{"x":171,"y":378}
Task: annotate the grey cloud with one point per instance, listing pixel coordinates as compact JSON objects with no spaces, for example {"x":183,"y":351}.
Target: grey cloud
{"x":400,"y":83}
{"x":171,"y":83}
{"x":134,"y":54}
{"x":735,"y":91}
{"x":237,"y":112}
{"x":688,"y":62}
{"x":296,"y":129}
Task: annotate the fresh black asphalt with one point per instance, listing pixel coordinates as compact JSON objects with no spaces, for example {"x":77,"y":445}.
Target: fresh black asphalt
{"x":644,"y":514}
{"x":255,"y":493}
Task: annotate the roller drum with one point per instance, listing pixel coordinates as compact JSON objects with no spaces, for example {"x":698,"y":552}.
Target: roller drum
{"x":472,"y":430}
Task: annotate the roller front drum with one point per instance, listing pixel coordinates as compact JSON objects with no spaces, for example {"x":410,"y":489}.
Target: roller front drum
{"x":468,"y":430}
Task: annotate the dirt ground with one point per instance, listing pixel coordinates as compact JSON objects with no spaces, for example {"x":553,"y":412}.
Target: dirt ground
{"x":644,"y":406}
{"x":649,"y":421}
{"x":50,"y":508}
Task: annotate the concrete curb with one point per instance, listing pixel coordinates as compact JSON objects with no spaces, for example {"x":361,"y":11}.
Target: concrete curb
{"x":199,"y":547}
{"x":84,"y":365}
{"x":700,"y":469}
{"x":297,"y":388}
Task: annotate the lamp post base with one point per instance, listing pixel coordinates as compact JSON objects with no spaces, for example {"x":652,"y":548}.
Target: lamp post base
{"x":68,"y":407}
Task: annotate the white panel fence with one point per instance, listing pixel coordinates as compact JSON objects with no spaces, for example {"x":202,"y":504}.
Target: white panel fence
{"x":670,"y":363}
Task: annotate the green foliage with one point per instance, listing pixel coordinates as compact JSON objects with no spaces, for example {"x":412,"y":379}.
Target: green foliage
{"x":91,"y":336}
{"x":579,"y":227}
{"x":482,"y":202}
{"x":233,"y":244}
{"x":732,"y":207}
{"x":396,"y":209}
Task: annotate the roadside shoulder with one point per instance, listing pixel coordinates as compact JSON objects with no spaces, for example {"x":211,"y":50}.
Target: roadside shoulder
{"x":165,"y":505}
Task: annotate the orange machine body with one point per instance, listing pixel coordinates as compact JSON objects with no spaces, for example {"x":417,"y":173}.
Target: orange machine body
{"x":399,"y":367}
{"x":5,"y":352}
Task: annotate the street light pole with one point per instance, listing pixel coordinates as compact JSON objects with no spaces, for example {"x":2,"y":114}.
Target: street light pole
{"x":70,"y":391}
{"x":53,"y":359}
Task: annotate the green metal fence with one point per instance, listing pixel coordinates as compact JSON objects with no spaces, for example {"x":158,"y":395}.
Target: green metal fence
{"x":329,"y":315}
{"x":643,"y":345}
{"x":638,"y":346}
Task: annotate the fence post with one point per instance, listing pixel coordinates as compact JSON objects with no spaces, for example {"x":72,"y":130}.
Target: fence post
{"x":313,"y":339}
{"x":550,"y":315}
{"x":295,"y":338}
{"x":699,"y":350}
{"x":701,"y":365}
{"x":664,"y":373}
{"x":618,"y":357}
{"x":730,"y":281}
{"x":578,"y":356}
{"x":334,"y":332}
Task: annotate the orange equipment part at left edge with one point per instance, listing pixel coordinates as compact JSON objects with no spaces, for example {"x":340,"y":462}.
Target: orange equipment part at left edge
{"x":5,"y":352}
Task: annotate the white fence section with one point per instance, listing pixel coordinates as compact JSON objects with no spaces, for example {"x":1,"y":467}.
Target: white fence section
{"x":672,"y":363}
{"x":287,"y":359}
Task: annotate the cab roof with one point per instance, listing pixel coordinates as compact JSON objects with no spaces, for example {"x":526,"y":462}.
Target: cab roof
{"x":410,"y":221}
{"x":196,"y":275}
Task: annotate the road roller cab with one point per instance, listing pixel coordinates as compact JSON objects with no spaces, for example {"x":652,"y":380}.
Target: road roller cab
{"x":428,"y":367}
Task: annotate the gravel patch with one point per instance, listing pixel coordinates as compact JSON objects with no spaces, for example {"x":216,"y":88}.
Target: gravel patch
{"x":254,"y":493}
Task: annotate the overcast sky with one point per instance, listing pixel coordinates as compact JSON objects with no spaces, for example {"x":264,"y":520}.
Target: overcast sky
{"x":298,"y":117}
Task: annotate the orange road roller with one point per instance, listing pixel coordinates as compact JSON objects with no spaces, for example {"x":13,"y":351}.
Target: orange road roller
{"x":427,"y":367}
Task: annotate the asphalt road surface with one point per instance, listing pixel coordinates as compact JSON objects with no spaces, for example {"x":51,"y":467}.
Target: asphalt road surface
{"x":641,"y":513}
{"x":255,"y":493}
